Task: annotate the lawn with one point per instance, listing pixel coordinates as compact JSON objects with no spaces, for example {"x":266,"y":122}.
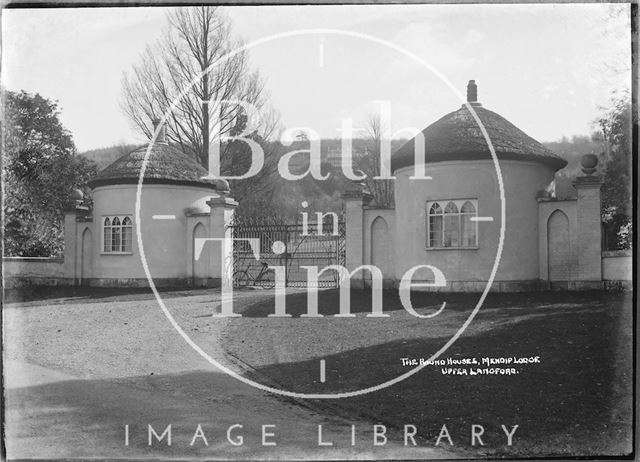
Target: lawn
{"x":575,"y":401}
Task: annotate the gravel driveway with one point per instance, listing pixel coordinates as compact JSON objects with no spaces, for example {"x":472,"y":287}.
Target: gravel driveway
{"x":78,"y":370}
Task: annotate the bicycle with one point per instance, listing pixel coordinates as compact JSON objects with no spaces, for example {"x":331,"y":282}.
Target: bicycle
{"x":242,"y":278}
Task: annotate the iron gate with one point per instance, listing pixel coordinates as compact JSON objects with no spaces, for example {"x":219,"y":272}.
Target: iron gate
{"x":291,"y":246}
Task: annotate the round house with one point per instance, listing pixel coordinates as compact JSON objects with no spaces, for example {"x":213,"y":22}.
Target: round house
{"x":174,"y":209}
{"x":452,"y":220}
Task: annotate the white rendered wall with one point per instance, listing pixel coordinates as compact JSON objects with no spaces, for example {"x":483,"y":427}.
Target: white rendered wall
{"x":546,"y":208}
{"x":617,"y":265}
{"x":377,"y":249}
{"x":472,"y":180}
{"x":165,"y":246}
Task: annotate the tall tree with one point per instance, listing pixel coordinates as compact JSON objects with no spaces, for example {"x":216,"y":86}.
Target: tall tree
{"x":40,"y":169}
{"x":614,"y":131}
{"x":195,"y":48}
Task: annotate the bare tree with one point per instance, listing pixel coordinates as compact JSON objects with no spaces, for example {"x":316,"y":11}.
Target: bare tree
{"x":194,"y":47}
{"x":382,"y":190}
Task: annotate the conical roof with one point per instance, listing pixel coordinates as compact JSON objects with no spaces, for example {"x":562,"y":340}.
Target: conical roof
{"x":165,"y":165}
{"x":457,"y":136}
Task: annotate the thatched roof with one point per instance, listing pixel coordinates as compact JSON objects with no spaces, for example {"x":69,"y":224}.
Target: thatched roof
{"x":457,"y":136}
{"x":165,"y":165}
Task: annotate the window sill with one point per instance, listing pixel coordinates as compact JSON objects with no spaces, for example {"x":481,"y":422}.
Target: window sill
{"x":116,"y":253}
{"x":452,"y":248}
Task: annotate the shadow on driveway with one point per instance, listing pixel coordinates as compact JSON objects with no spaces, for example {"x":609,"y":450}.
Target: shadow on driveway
{"x":87,"y":418}
{"x":576,"y":401}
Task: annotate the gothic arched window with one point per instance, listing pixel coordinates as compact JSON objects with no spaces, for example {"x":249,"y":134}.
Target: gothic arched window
{"x":117,"y":234}
{"x":435,"y":226}
{"x":467,"y":226}
{"x":107,"y":235}
{"x":452,"y":224}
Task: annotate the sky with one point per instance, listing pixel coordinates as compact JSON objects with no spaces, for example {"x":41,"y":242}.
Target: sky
{"x":547,"y":68}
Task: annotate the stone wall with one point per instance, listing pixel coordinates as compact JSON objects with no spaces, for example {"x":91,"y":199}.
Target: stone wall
{"x":589,"y":228}
{"x":617,"y":269}
{"x":34,"y":271}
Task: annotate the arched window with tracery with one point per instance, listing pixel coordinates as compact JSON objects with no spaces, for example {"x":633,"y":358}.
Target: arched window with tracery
{"x":452,"y":224}
{"x":468,"y":227}
{"x":435,"y":225}
{"x":127,"y":228}
{"x":117,"y":234}
{"x":107,"y":235}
